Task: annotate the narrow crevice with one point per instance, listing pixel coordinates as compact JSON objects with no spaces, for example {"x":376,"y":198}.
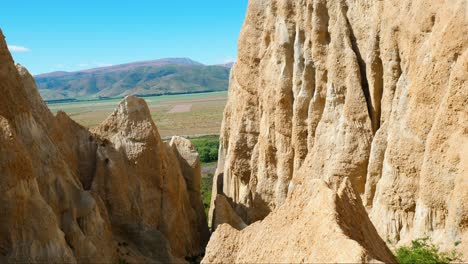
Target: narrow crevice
{"x":302,"y":96}
{"x":368,"y":88}
{"x":362,"y":66}
{"x":317,"y":104}
{"x":289,"y":52}
{"x":309,"y":85}
{"x":375,"y":162}
{"x":362,"y":71}
{"x":397,"y":72}
{"x":377,"y":87}
{"x":87,"y":154}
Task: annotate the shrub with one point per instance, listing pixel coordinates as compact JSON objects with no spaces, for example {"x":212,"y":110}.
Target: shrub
{"x":207,"y":148}
{"x":213,"y":155}
{"x":422,"y":251}
{"x":204,"y":154}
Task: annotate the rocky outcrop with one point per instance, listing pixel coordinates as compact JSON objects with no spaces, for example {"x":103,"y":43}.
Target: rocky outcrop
{"x":132,"y":147}
{"x":71,"y":195}
{"x":372,"y":91}
{"x":315,"y":225}
{"x":189,"y":163}
{"x":225,"y":214}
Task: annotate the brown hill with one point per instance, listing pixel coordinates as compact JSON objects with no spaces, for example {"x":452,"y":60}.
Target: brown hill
{"x":126,"y":66}
{"x":156,"y":77}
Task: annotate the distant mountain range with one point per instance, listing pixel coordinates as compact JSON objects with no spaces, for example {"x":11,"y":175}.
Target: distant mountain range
{"x":156,"y":77}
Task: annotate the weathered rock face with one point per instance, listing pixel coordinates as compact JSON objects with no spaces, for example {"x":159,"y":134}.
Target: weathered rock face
{"x":163,"y":197}
{"x":225,"y":214}
{"x":315,"y":225}
{"x":373,"y":91}
{"x":71,"y":195}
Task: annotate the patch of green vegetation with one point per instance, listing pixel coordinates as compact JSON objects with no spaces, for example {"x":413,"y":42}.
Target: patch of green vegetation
{"x":207,"y":148}
{"x":422,"y":251}
{"x":206,"y":185}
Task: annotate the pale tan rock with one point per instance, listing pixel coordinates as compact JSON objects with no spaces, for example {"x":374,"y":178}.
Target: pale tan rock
{"x":56,"y":196}
{"x":189,"y":162}
{"x":314,"y":225}
{"x":421,"y":190}
{"x":374,"y":91}
{"x":26,"y":234}
{"x":136,"y":170}
{"x":226,"y":215}
{"x":73,"y":196}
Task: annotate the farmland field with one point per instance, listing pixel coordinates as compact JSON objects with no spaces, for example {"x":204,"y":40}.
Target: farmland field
{"x":191,"y":115}
{"x":184,"y":114}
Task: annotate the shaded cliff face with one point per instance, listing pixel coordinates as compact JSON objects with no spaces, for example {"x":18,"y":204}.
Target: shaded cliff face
{"x":373,"y":91}
{"x":71,"y":195}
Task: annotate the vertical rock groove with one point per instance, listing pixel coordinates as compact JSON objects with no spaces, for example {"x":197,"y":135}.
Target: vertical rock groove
{"x":376,"y":84}
{"x":362,"y":68}
{"x":366,"y":79}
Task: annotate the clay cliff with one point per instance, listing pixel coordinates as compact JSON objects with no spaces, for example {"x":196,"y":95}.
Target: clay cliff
{"x":371,"y":91}
{"x":316,"y":225}
{"x":346,"y":126}
{"x":76,"y":196}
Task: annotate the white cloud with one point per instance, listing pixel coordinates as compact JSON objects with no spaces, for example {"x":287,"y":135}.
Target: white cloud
{"x":14,"y":48}
{"x":83,"y":65}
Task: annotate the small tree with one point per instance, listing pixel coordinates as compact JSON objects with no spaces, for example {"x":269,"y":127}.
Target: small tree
{"x":422,"y":251}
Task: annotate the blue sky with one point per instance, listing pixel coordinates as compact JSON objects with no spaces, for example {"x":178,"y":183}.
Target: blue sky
{"x":66,"y":35}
